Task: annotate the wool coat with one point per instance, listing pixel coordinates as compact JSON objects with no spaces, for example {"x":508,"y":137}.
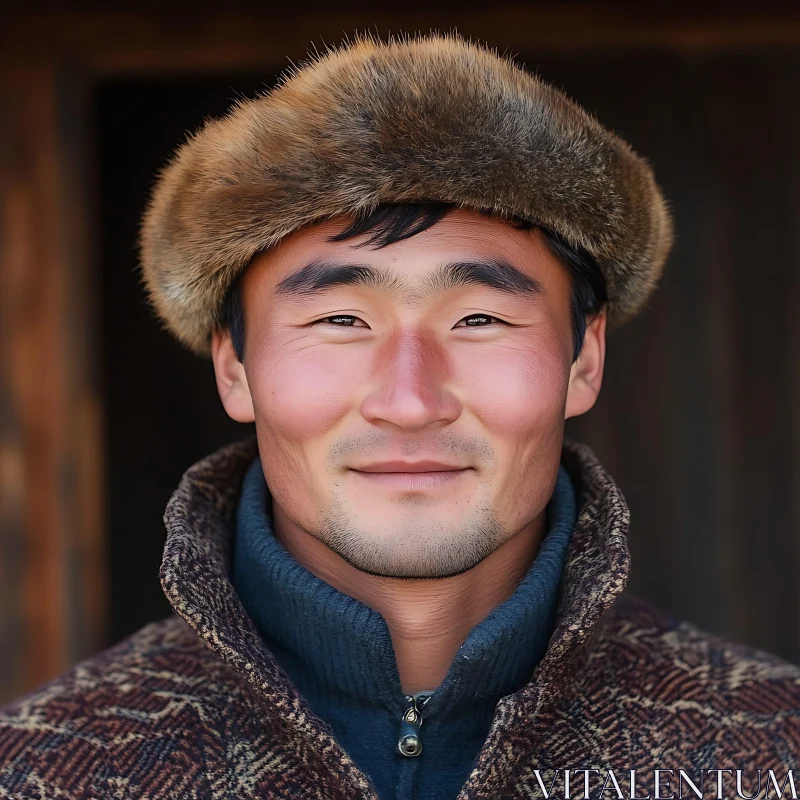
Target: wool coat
{"x":195,"y":706}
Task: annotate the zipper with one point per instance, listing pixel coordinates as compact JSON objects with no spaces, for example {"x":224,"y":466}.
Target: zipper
{"x":410,"y":742}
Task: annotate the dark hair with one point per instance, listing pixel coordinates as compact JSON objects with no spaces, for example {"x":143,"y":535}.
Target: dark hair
{"x":392,"y":222}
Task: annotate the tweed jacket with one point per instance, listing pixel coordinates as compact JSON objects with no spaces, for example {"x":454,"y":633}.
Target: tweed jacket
{"x":194,"y":706}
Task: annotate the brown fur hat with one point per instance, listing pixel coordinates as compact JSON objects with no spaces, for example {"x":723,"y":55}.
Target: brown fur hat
{"x":420,"y":118}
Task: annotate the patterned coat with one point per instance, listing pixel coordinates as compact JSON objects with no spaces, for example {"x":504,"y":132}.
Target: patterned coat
{"x":194,"y":706}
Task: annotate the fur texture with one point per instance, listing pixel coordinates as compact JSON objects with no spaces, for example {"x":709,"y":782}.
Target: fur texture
{"x":420,"y":118}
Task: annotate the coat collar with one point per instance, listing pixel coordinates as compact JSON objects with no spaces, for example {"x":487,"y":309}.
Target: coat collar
{"x":200,"y":520}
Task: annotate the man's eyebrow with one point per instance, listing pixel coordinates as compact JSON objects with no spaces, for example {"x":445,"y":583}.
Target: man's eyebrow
{"x":319,"y":276}
{"x":495,"y":273}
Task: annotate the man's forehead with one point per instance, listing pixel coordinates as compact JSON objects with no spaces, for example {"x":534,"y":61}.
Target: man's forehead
{"x":463,"y":249}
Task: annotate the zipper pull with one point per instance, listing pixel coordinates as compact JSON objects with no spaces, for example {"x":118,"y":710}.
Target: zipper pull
{"x":410,"y":743}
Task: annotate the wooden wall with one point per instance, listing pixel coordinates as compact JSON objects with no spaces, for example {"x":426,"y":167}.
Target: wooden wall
{"x":699,"y":417}
{"x":53,"y":603}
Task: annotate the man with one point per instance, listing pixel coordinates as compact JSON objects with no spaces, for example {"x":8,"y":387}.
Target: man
{"x":402,"y":262}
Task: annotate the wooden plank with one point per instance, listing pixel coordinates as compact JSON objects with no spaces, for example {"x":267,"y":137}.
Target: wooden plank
{"x":51,"y":498}
{"x":238,"y":38}
{"x":787,"y":87}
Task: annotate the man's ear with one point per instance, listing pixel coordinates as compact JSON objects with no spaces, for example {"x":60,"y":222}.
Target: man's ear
{"x":231,"y":379}
{"x":586,"y":374}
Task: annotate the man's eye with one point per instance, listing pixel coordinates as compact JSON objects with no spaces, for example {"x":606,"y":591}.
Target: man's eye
{"x":345,"y":317}
{"x":478,"y":317}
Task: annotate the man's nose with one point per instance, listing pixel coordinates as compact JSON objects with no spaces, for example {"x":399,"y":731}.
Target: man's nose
{"x":411,"y":384}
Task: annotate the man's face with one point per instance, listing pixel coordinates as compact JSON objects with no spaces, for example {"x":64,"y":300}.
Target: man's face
{"x":416,"y":367}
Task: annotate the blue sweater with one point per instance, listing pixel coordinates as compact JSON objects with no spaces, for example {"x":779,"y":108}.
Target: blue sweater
{"x":338,"y":652}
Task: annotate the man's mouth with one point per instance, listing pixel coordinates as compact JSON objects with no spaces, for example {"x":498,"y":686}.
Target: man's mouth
{"x":397,"y":465}
{"x":413,"y":480}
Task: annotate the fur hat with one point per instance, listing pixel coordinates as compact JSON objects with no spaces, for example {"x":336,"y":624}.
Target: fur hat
{"x":424,"y":118}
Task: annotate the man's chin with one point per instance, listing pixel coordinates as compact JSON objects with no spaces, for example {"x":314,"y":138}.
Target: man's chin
{"x":410,"y":569}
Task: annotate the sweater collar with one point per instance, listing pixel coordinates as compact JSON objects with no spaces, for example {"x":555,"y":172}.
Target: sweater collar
{"x":340,"y":647}
{"x":200,"y":521}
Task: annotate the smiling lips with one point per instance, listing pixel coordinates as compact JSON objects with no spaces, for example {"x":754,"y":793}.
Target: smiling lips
{"x":411,"y":475}
{"x":409,"y":466}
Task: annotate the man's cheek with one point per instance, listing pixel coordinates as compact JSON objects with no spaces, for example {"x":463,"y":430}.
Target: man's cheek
{"x":512,"y":394}
{"x":303,"y":396}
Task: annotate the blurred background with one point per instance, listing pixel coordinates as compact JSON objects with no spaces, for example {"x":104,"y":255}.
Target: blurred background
{"x":101,"y":412}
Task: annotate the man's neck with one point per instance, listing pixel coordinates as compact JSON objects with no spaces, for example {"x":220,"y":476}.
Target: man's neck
{"x":429,"y":619}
